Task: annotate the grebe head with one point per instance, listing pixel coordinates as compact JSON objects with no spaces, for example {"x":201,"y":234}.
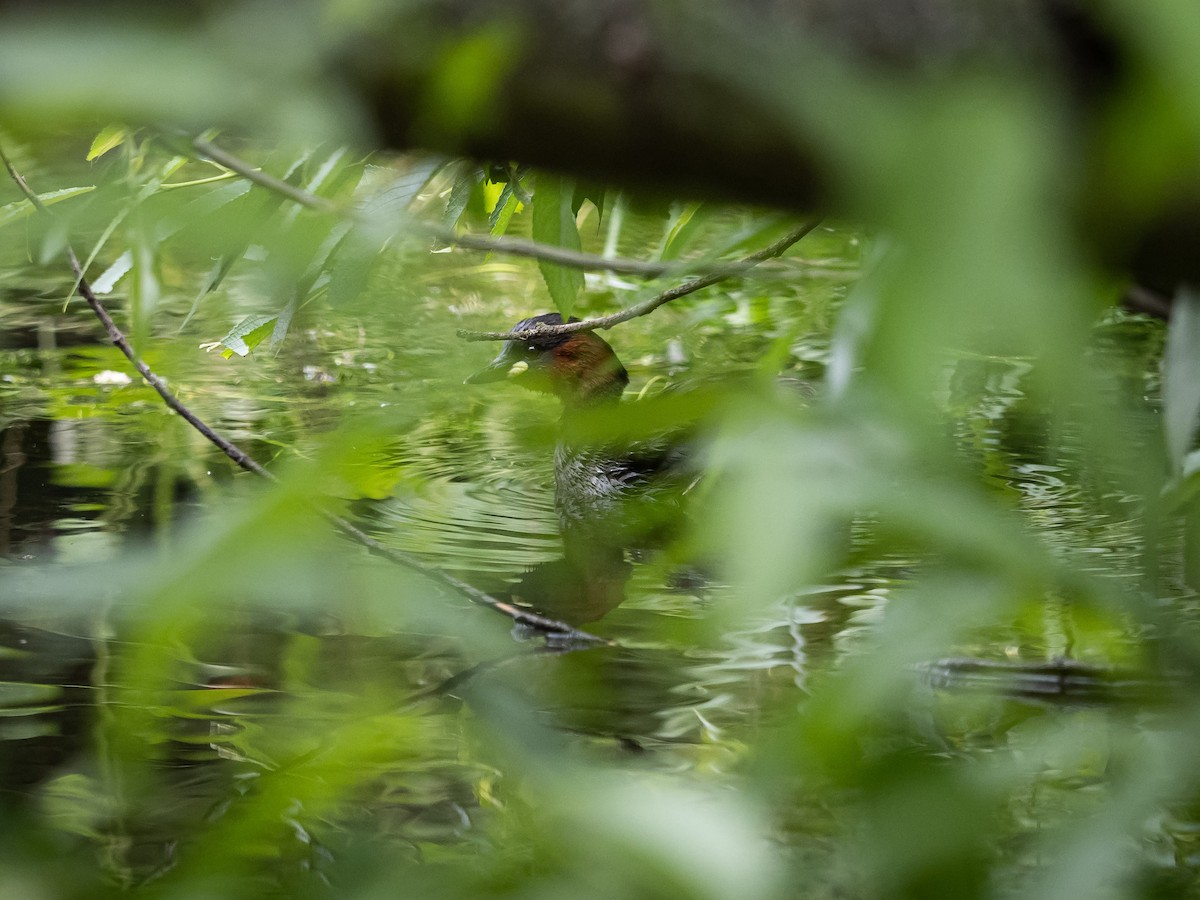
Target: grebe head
{"x":579,"y":368}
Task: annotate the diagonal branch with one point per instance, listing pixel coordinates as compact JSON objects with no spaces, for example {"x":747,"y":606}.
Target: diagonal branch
{"x":264,"y":179}
{"x":243,"y":459}
{"x":573,"y":259}
{"x":648,"y":306}
{"x":483,"y":243}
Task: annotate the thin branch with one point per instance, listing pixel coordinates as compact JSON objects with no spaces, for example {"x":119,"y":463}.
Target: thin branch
{"x":122,"y":343}
{"x":573,"y":259}
{"x":472,"y":593}
{"x":648,"y":306}
{"x":239,"y":456}
{"x":263,"y":179}
{"x":563,"y":256}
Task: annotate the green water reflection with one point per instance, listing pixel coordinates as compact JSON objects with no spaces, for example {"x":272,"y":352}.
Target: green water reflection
{"x":275,"y":659}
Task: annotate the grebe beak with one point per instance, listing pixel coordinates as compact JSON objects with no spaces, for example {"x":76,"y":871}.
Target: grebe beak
{"x":498,"y":369}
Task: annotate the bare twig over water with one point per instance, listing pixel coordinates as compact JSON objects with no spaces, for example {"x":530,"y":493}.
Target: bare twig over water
{"x":560,"y":630}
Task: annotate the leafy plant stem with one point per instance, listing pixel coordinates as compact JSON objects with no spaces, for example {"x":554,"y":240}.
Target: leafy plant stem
{"x":648,"y":306}
{"x":509,"y":246}
{"x":546,"y":625}
{"x":175,"y":185}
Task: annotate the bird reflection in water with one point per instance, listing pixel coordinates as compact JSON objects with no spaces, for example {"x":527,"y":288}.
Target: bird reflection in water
{"x":611,"y":496}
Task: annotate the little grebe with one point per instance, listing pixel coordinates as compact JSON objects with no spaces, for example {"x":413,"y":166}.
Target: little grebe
{"x":593,"y":480}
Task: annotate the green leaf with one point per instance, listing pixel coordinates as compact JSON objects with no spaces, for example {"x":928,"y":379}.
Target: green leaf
{"x":195,"y":211}
{"x":247,"y":334}
{"x":321,"y":178}
{"x":332,"y":176}
{"x":401,"y":192}
{"x":283,"y":322}
{"x":108,"y":138}
{"x":21,"y":209}
{"x":501,"y":215}
{"x":109,"y":277}
{"x":585,"y":191}
{"x":1181,"y":376}
{"x":211,"y":201}
{"x":350,"y":267}
{"x":147,"y":190}
{"x":145,"y":288}
{"x":554,"y":223}
{"x":685,"y":225}
{"x":685,"y":841}
{"x":55,"y":240}
{"x":615,"y":204}
{"x":350,"y":259}
{"x":468,"y":177}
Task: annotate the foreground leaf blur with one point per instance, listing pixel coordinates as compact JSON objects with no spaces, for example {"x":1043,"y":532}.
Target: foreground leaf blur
{"x":927,"y":626}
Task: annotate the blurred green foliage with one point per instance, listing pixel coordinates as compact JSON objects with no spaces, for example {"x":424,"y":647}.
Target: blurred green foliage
{"x":204,"y":692}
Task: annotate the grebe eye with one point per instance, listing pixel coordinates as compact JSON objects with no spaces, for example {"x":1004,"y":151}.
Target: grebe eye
{"x":531,"y":347}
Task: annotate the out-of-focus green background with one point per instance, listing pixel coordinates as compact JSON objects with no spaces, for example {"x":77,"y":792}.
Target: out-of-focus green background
{"x":928,"y":628}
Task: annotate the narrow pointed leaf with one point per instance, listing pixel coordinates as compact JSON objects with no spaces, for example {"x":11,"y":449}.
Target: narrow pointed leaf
{"x":106,"y":140}
{"x":400,"y":193}
{"x":283,"y":322}
{"x":502,"y":213}
{"x":685,"y":225}
{"x":554,"y":223}
{"x":353,"y":257}
{"x":247,"y":334}
{"x":113,"y":274}
{"x":22,"y":209}
{"x":468,"y":178}
{"x":1181,"y":376}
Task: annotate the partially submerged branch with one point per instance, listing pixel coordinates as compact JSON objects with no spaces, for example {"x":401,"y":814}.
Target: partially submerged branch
{"x":555,"y":627}
{"x":531,"y":249}
{"x":648,"y":306}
